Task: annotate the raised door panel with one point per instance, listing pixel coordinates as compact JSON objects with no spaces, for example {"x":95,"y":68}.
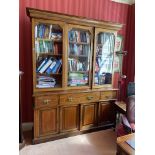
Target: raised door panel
{"x":69,"y":118}
{"x":106,"y":113}
{"x":88,"y":115}
{"x":48,"y":121}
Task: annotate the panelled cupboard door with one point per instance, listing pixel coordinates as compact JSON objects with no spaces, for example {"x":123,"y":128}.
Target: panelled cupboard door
{"x":46,"y":121}
{"x":48,"y":44}
{"x":88,"y":115}
{"x":105,"y":113}
{"x":69,"y":118}
{"x":104,"y":46}
{"x":79,"y":56}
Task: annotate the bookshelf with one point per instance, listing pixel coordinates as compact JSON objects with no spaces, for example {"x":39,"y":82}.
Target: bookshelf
{"x":72,"y":61}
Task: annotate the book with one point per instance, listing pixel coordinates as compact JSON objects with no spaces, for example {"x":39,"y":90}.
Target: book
{"x":45,"y":66}
{"x":58,"y":63}
{"x":50,"y":32}
{"x":49,"y":70}
{"x":41,"y":65}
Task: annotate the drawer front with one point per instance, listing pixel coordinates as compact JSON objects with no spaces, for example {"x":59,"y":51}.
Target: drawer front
{"x":69,"y":99}
{"x":44,"y":101}
{"x":107,"y":95}
{"x":79,"y":98}
{"x":90,"y":97}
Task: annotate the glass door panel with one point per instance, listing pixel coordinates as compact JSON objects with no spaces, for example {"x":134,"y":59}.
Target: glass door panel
{"x":48,"y":51}
{"x":79,"y":51}
{"x":104,"y":58}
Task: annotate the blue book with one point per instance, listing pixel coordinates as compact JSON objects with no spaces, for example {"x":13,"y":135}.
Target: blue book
{"x":49,"y":70}
{"x":58,"y":63}
{"x":45,"y":66}
{"x":41,"y":65}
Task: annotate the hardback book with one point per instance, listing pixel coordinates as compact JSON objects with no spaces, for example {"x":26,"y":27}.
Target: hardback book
{"x":58,"y":63}
{"x":42,"y":64}
{"x":49,"y":70}
{"x":45,"y":66}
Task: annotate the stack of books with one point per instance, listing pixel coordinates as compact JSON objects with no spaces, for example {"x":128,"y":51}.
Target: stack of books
{"x":45,"y":82}
{"x":79,"y":36}
{"x":77,"y":79}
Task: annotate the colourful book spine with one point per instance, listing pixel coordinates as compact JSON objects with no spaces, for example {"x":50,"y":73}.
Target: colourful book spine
{"x":42,"y":64}
{"x":49,"y":70}
{"x":45,"y":66}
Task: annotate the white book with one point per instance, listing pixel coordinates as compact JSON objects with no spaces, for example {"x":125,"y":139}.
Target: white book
{"x":45,"y":66}
{"x":50,"y":33}
{"x":36,"y":27}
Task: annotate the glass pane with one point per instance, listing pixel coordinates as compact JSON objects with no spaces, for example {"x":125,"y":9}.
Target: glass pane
{"x":104,"y":58}
{"x":48,"y":49}
{"x":78,"y":57}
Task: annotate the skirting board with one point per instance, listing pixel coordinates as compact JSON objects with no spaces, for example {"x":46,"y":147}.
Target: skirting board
{"x":27,"y":126}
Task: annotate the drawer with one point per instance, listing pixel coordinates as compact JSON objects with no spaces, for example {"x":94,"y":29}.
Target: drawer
{"x":107,"y":95}
{"x":90,"y":97}
{"x":79,"y":98}
{"x":69,"y":99}
{"x":43,"y":101}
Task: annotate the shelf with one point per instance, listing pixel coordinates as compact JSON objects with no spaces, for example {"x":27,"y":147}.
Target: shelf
{"x":80,"y":43}
{"x":52,"y":74}
{"x":50,"y":53}
{"x":46,"y":39}
{"x":76,"y":56}
{"x":78,"y":71}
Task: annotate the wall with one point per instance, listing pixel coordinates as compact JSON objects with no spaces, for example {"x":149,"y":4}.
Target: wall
{"x":96,"y":9}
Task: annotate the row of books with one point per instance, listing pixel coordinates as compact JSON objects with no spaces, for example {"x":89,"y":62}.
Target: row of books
{"x":104,"y":78}
{"x":77,"y":79}
{"x":49,"y":65}
{"x":45,"y":82}
{"x":79,"y":36}
{"x":45,"y":31}
{"x":42,"y":46}
{"x":107,"y":38}
{"x":79,"y":49}
{"x":77,"y":65}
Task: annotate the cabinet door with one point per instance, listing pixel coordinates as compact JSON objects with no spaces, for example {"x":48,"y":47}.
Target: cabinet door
{"x":106,"y":113}
{"x":69,"y":118}
{"x":48,"y":54}
{"x":79,"y":56}
{"x":104,"y":47}
{"x":45,"y":121}
{"x":88,"y":115}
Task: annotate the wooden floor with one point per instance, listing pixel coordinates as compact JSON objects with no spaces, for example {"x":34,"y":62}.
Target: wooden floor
{"x":95,"y":143}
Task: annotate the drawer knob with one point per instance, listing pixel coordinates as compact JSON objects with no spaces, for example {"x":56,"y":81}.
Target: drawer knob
{"x":45,"y":102}
{"x":70,"y":99}
{"x":89,"y":97}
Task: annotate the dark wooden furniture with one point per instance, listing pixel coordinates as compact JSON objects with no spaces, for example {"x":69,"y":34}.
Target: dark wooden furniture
{"x":82,"y":96}
{"x":122,"y":147}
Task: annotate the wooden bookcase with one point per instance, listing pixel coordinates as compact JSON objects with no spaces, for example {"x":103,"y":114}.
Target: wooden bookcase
{"x":72,"y":74}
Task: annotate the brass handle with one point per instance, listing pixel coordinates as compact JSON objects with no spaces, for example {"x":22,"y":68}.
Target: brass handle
{"x":89,"y":97}
{"x":70,"y":99}
{"x":107,"y":97}
{"x":46,"y":102}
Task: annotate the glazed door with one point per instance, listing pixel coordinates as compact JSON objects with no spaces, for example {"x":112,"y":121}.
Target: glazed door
{"x":79,"y":56}
{"x":104,"y":44}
